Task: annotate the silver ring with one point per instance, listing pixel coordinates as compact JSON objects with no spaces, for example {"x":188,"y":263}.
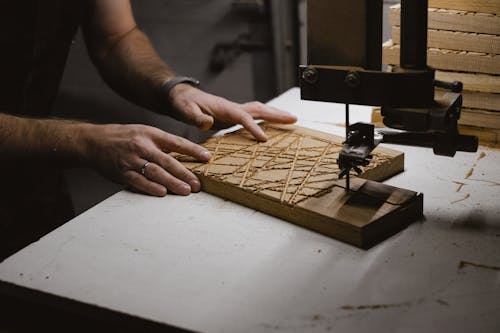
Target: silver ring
{"x":143,"y":168}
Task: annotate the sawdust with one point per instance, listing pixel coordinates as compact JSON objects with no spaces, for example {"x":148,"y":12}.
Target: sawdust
{"x":492,"y":183}
{"x":463,"y":263}
{"x":467,"y":196}
{"x":481,"y":155}
{"x":469,"y":173}
{"x":460,"y":185}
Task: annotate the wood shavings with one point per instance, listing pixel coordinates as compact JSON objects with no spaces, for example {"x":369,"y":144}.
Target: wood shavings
{"x":467,"y":196}
{"x":460,"y":185}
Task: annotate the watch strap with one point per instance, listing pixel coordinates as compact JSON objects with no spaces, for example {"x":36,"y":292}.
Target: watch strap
{"x":167,"y":86}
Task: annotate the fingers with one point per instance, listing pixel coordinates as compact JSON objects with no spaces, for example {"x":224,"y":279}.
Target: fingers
{"x":171,"y":173}
{"x":192,"y":114}
{"x":143,"y":184}
{"x":262,"y":111}
{"x":166,"y":170}
{"x":201,"y":120}
{"x":161,"y":175}
{"x":247,"y":121}
{"x":157,"y":174}
{"x":202,"y":109}
{"x":173,"y":143}
{"x":246,"y":114}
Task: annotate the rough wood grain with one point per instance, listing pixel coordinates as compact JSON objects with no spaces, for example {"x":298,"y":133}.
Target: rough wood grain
{"x":294,"y":176}
{"x":454,"y":20}
{"x":480,"y":118}
{"x":457,"y":40}
{"x":449,"y":59}
{"x":487,"y":136}
{"x":479,"y":6}
{"x":479,"y":100}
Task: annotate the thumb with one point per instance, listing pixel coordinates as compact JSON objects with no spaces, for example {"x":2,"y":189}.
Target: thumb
{"x":204,"y":121}
{"x":193,"y":115}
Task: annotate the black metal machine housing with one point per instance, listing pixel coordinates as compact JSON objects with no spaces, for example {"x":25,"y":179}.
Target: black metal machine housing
{"x":344,"y":66}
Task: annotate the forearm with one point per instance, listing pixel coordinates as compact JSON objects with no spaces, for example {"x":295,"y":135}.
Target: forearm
{"x":48,"y":138}
{"x":131,"y":66}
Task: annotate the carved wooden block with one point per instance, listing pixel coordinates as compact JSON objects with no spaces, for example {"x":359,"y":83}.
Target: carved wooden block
{"x":294,"y":176}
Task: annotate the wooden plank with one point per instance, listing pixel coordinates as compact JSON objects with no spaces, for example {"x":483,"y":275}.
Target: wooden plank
{"x":472,"y":82}
{"x":468,"y":117}
{"x":479,"y":6}
{"x":294,"y":176}
{"x":449,"y":59}
{"x":454,"y":20}
{"x":478,"y":100}
{"x":480,"y":118}
{"x":487,"y":136}
{"x":457,"y":40}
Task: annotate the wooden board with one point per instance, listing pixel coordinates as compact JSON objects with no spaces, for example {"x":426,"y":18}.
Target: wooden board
{"x":457,"y":40}
{"x":472,"y":82}
{"x":469,"y":117}
{"x":480,"y":118}
{"x":449,"y":59}
{"x":480,"y":6}
{"x":294,"y":176}
{"x":478,"y":100}
{"x":487,"y":136}
{"x":454,"y":20}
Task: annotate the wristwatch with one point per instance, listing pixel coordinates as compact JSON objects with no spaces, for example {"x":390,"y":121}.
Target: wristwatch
{"x":167,"y":86}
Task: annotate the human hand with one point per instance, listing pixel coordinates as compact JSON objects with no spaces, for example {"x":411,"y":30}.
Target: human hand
{"x":207,"y":111}
{"x":120,"y":152}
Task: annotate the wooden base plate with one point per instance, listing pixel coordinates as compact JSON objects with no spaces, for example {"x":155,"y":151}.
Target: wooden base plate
{"x":294,"y":176}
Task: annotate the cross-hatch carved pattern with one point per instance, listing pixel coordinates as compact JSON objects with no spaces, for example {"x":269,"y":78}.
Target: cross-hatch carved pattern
{"x":290,"y":167}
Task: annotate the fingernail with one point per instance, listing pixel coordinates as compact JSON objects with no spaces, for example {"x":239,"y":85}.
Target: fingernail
{"x":263,"y":136}
{"x":186,"y":189}
{"x":195,"y":185}
{"x":206,"y":155}
{"x":163,"y":191}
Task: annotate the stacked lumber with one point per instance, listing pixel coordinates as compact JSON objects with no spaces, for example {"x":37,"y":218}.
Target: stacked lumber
{"x":463,"y":45}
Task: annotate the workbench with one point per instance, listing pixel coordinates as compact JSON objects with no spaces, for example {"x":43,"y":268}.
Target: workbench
{"x":206,"y":264}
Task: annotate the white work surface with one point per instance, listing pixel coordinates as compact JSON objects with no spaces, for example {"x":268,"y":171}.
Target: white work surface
{"x":207,"y":264}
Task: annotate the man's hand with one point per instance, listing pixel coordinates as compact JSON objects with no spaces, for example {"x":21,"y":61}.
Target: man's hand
{"x":121,"y":151}
{"x":130,"y":65}
{"x":207,"y":111}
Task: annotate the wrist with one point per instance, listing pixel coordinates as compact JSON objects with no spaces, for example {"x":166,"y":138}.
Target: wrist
{"x":84,"y":140}
{"x":170,"y":84}
{"x":172,"y":87}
